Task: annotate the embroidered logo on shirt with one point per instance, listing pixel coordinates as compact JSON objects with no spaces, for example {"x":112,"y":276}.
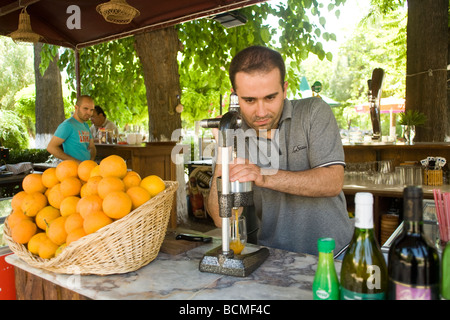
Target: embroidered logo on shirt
{"x":298,"y":148}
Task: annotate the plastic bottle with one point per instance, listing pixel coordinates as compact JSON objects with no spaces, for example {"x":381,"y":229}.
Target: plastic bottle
{"x":326,"y":283}
{"x":413,"y":261}
{"x":363,"y":271}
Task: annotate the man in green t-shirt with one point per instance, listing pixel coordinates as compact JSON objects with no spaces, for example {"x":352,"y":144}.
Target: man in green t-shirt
{"x":73,"y":139}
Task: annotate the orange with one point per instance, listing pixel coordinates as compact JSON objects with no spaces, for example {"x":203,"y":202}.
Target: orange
{"x":89,"y":204}
{"x":66,"y":168}
{"x":117,"y":204}
{"x":108,"y":185}
{"x":113,"y":166}
{"x":91,"y":186}
{"x":15,"y":217}
{"x":33,"y":183}
{"x":49,"y":178}
{"x":35,"y":242}
{"x":47,"y":249}
{"x":60,"y":249}
{"x":55,"y":196}
{"x":85,"y":168}
{"x":69,"y":205}
{"x":32,"y":203}
{"x":131,"y":179}
{"x":23,"y":231}
{"x":74,"y":221}
{"x":70,"y":186}
{"x":153,"y":184}
{"x":56,"y":231}
{"x":45,"y":216}
{"x":138,"y":196}
{"x":95,"y":220}
{"x":16,"y":201}
{"x":75,"y":235}
{"x":95,"y":172}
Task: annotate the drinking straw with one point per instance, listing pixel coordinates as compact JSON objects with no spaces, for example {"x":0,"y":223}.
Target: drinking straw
{"x":446,"y":217}
{"x":442,"y":203}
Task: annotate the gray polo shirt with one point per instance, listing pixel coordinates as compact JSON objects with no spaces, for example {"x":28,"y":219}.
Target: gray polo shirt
{"x":308,"y":137}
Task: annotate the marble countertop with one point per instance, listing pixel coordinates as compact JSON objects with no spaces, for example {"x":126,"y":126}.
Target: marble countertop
{"x":284,"y":275}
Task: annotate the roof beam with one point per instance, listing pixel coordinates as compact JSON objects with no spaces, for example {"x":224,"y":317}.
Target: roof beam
{"x":16,"y":5}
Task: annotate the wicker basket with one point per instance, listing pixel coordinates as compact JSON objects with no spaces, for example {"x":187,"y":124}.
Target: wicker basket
{"x":117,"y":11}
{"x":122,"y":246}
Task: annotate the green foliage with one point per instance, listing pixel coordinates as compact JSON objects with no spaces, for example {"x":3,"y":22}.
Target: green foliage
{"x":28,"y":155}
{"x":16,"y":70}
{"x":412,"y":118}
{"x":13,"y":132}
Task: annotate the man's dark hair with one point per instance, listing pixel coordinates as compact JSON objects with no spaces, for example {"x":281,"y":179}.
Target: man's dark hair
{"x":99,"y":110}
{"x":254,"y":59}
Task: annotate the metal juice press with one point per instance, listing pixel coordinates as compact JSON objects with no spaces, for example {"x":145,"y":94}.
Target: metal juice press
{"x":231,"y":195}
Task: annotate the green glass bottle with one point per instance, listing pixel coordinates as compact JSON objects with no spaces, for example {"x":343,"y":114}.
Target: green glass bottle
{"x":445,"y":278}
{"x":363,"y":271}
{"x":326,"y":282}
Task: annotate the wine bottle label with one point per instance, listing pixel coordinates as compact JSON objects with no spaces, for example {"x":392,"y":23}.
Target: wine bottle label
{"x":409,"y":292}
{"x":352,"y":295}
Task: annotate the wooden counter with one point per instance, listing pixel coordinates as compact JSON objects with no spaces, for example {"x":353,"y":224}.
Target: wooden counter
{"x":146,"y":159}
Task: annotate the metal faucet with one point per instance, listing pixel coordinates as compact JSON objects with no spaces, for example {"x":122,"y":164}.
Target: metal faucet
{"x":374,"y":95}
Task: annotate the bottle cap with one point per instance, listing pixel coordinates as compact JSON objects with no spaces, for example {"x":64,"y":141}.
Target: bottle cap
{"x":364,"y":210}
{"x":326,"y":245}
{"x":364,"y":198}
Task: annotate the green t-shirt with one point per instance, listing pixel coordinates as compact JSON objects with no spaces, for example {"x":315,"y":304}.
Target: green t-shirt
{"x":76,"y":137}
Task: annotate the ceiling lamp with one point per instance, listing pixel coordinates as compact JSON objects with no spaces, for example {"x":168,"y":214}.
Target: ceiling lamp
{"x":117,"y":11}
{"x":24,"y":33}
{"x":231,"y":19}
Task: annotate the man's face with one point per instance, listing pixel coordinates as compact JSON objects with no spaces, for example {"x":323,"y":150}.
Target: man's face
{"x":261,"y":98}
{"x":84,"y":112}
{"x":97,"y":119}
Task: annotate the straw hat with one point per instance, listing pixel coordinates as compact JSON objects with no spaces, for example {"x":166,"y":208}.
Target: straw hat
{"x":24,"y":33}
{"x":117,"y":11}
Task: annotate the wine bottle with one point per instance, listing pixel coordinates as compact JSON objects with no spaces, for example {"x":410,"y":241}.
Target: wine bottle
{"x":413,"y":261}
{"x":326,"y":283}
{"x":363,"y":270}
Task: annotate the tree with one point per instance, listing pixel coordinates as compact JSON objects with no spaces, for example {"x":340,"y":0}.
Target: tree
{"x":158,"y":51}
{"x":208,"y":48}
{"x":49,"y":99}
{"x":426,"y":80}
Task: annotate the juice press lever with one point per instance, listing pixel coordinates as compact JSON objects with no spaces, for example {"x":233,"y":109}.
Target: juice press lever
{"x":231,"y":195}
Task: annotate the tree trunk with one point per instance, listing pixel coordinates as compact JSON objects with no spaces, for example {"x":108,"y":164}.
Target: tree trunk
{"x":49,"y":100}
{"x":157,"y":51}
{"x":426,"y":79}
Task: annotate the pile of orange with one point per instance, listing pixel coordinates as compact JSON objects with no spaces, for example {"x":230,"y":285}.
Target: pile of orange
{"x":65,"y":203}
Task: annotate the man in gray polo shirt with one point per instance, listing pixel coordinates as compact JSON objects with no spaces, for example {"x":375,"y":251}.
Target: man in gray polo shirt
{"x":297,"y":189}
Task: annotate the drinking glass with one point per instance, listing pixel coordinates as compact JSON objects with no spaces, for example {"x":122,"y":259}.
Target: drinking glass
{"x":238,"y":234}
